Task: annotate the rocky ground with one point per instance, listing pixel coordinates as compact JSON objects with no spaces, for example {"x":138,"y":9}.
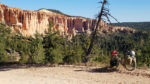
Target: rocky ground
{"x":72,"y":75}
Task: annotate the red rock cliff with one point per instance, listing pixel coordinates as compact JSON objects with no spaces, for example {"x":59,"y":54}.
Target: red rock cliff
{"x":29,"y":23}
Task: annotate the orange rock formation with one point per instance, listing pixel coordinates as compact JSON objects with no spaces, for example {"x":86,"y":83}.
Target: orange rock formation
{"x":29,"y":23}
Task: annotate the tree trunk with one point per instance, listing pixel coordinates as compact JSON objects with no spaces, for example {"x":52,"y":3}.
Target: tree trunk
{"x":95,"y":31}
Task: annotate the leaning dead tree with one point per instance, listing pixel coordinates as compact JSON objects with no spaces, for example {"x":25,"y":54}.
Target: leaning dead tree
{"x":104,"y":13}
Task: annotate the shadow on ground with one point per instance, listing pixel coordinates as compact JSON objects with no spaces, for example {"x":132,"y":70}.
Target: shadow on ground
{"x":8,"y":66}
{"x":12,"y":66}
{"x":109,"y":70}
{"x":103,"y":70}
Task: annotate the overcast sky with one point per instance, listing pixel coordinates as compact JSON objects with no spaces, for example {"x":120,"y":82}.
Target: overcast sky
{"x":123,"y":10}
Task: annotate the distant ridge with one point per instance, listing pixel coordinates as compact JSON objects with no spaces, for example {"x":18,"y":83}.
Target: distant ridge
{"x":55,"y":11}
{"x":59,"y":12}
{"x":137,"y":25}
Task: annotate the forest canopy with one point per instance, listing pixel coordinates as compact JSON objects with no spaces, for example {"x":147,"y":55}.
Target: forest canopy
{"x":55,"y":49}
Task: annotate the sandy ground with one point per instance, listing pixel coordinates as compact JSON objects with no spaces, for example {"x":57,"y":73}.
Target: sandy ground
{"x":72,"y":75}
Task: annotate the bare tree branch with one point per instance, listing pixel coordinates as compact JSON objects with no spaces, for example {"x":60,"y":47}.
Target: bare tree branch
{"x":104,"y":12}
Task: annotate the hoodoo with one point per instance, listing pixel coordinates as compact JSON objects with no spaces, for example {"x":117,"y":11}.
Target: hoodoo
{"x":29,"y":22}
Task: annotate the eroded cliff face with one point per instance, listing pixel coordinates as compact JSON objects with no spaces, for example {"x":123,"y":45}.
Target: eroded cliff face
{"x":28,"y":23}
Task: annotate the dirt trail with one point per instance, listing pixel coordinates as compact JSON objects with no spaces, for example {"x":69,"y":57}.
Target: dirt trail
{"x":72,"y":75}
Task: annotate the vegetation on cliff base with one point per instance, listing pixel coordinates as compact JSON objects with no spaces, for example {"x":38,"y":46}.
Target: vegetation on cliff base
{"x":55,"y":49}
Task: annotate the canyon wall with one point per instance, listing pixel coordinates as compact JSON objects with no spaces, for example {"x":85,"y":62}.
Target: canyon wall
{"x":28,"y":23}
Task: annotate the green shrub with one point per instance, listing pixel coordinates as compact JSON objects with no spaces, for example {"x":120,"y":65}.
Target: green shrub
{"x":37,"y":54}
{"x":24,"y":59}
{"x":53,"y":48}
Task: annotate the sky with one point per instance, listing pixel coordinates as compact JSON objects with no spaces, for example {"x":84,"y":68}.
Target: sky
{"x":123,"y":10}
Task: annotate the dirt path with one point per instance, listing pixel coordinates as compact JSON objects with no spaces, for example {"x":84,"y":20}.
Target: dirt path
{"x":72,"y":75}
